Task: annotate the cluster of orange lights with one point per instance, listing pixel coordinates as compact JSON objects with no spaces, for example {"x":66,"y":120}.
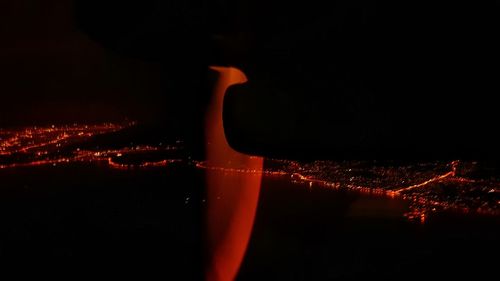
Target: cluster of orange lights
{"x":161,"y":163}
{"x":204,"y":165}
{"x":40,"y":146}
{"x":38,"y":139}
{"x":43,"y":146}
{"x":419,"y":207}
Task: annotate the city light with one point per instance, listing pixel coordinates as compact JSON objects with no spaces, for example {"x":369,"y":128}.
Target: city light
{"x":428,"y":187}
{"x":38,"y":146}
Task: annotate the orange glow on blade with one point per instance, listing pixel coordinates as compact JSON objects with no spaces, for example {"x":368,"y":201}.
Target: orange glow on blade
{"x":232,"y":197}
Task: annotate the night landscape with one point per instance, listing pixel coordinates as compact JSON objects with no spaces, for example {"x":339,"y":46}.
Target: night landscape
{"x":250,"y":140}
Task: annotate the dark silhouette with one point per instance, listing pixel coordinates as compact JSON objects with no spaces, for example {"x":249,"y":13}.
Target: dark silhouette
{"x":355,"y":79}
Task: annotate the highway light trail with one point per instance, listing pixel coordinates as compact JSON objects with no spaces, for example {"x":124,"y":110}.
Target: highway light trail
{"x":437,"y":178}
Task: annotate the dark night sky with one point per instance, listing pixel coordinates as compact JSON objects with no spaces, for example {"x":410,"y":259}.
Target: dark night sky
{"x":52,"y":72}
{"x":358,"y":78}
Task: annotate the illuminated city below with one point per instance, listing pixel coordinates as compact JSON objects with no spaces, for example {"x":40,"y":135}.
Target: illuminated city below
{"x":53,"y":145}
{"x":458,"y":186}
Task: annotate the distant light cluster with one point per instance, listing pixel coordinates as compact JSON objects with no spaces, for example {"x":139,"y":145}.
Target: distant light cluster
{"x":40,"y":140}
{"x":429,"y":187}
{"x":53,"y":145}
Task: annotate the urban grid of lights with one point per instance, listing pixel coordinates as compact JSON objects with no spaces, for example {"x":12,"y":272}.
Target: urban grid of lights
{"x":37,"y":146}
{"x":419,"y":183}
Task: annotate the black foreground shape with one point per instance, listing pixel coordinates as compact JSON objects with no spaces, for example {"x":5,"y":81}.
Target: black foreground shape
{"x":327,"y":79}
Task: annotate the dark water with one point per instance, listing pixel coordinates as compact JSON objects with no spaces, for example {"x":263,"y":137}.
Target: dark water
{"x":151,"y":222}
{"x":320,"y":234}
{"x":94,"y":218}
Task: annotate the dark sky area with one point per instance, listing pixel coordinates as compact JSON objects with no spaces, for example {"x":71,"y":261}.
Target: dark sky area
{"x":346,"y":78}
{"x":52,"y":72}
